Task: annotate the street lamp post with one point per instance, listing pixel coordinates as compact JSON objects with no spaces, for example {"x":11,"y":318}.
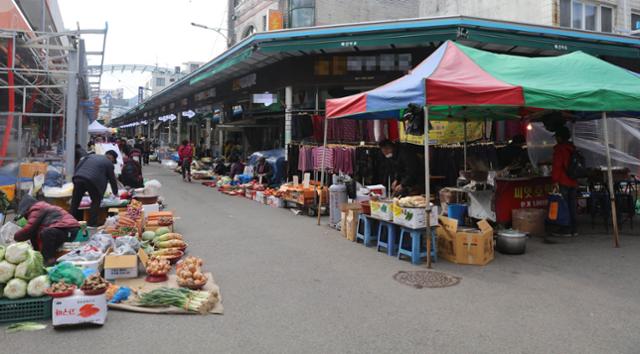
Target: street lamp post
{"x":217,"y":30}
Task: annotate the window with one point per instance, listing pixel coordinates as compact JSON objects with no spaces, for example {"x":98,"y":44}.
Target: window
{"x":264,"y":23}
{"x":248,"y":31}
{"x":160,"y":81}
{"x":302,"y":13}
{"x":635,"y":21}
{"x":606,"y":19}
{"x":586,"y":16}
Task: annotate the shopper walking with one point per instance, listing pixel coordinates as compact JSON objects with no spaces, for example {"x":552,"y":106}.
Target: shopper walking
{"x":185,"y":153}
{"x":93,"y":173}
{"x":563,"y":153}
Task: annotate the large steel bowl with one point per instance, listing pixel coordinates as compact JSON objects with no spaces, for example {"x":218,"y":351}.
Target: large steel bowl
{"x":511,"y":242}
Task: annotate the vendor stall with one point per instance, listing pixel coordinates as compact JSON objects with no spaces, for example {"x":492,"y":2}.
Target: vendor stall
{"x":461,"y":83}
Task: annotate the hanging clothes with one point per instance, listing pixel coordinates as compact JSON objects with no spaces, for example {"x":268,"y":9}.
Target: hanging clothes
{"x":318,"y":128}
{"x":320,"y":152}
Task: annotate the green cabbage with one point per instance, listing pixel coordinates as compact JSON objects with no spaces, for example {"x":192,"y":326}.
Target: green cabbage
{"x":15,"y":289}
{"x":17,"y":252}
{"x":31,"y":267}
{"x":6,"y":271}
{"x":38,"y":285}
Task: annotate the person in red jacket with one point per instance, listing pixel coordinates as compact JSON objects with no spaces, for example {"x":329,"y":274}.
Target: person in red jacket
{"x":564,"y":184}
{"x":48,"y":227}
{"x":185,"y":153}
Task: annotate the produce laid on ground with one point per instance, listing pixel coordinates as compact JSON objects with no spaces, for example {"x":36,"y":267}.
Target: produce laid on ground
{"x":60,"y":289}
{"x":168,"y":245}
{"x":22,"y":272}
{"x":94,"y":285}
{"x":157,"y":269}
{"x":189,"y":273}
{"x":190,"y":300}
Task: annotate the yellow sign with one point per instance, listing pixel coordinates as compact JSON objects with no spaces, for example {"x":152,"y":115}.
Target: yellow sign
{"x":275,"y":20}
{"x":444,"y":133}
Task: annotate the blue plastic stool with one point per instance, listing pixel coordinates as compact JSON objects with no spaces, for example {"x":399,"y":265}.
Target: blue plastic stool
{"x":365,"y":225}
{"x":416,"y":251}
{"x":390,"y":242}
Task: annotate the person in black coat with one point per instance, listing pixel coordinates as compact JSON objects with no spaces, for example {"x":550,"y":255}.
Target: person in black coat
{"x":92,"y":175}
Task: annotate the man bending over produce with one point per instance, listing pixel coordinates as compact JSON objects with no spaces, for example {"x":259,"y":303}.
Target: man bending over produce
{"x":92,"y":175}
{"x":48,"y":227}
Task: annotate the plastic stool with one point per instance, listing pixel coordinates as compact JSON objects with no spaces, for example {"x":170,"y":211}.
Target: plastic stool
{"x":415,"y":252}
{"x":364,"y":233}
{"x":390,"y":242}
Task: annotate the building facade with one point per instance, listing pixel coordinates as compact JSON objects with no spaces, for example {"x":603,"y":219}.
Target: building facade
{"x":252,"y":16}
{"x":609,"y":16}
{"x":162,"y":78}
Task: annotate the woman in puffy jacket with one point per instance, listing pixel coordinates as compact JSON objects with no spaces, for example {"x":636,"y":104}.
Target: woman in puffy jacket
{"x":185,"y":153}
{"x":48,"y":227}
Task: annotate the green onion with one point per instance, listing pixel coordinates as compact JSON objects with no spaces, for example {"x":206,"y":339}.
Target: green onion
{"x":25,"y":326}
{"x":194,"y":301}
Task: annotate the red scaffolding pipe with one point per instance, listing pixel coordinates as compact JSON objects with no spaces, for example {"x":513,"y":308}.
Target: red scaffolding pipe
{"x":12,"y":101}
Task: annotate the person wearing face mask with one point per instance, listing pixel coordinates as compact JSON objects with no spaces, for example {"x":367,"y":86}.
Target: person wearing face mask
{"x":401,"y":169}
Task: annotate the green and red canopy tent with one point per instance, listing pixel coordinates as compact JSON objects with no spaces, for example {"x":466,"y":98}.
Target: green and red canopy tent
{"x":462,"y":83}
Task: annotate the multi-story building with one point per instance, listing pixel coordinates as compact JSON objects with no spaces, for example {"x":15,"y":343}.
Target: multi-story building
{"x":611,"y":16}
{"x":162,"y":78}
{"x":251,"y":16}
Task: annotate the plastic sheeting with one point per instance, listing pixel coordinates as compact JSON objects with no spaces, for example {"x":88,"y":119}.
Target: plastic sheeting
{"x":275,"y":158}
{"x":624,"y":141}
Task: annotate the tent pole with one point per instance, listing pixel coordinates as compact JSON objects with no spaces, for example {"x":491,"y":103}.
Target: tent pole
{"x":324,"y":151}
{"x":612,"y":195}
{"x":464,"y":168}
{"x":427,"y":184}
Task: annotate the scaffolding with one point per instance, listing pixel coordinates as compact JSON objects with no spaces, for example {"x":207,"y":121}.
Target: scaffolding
{"x":45,"y":76}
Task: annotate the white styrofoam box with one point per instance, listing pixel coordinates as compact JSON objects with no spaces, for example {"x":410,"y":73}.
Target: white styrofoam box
{"x":79,"y":309}
{"x":151,"y":208}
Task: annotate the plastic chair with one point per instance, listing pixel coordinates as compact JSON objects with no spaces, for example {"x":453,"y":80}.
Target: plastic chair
{"x":390,"y":241}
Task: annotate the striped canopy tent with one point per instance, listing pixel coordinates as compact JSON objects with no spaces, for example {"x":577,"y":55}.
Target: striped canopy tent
{"x":462,"y":83}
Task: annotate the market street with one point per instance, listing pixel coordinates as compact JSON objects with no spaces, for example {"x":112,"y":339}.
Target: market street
{"x":291,"y":286}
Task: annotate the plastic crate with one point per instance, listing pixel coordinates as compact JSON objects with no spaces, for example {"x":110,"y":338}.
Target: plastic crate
{"x":27,"y":309}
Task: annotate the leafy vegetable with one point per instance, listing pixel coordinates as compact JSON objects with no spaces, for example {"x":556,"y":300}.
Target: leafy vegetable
{"x":17,"y":252}
{"x":25,"y":326}
{"x":194,"y":301}
{"x":38,"y":285}
{"x":15,"y":289}
{"x":6,"y":271}
{"x":31,"y":267}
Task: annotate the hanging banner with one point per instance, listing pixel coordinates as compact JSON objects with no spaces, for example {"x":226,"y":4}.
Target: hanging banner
{"x":276,"y":21}
{"x":444,"y":133}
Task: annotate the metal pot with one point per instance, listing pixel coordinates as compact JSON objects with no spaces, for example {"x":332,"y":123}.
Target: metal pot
{"x":511,"y":242}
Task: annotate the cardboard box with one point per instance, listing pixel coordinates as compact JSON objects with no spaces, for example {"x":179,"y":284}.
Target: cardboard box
{"x":349,"y":219}
{"x":260,"y":198}
{"x":275,"y":202}
{"x":414,"y":218}
{"x":382,"y":210}
{"x":116,"y":267}
{"x":465,"y":245}
{"x":79,"y":309}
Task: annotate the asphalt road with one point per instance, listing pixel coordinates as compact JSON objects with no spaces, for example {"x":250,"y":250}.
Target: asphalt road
{"x":290,"y":286}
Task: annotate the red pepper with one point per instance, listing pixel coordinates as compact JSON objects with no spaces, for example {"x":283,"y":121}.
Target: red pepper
{"x":88,"y":310}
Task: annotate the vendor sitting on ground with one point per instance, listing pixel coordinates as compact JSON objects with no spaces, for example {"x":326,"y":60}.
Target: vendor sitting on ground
{"x":402,"y":169}
{"x":263,"y":169}
{"x":221,"y":167}
{"x":131,"y":175}
{"x":237,"y":167}
{"x":48,"y":227}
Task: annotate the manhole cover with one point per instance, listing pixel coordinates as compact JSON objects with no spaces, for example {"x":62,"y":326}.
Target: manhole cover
{"x":426,"y":279}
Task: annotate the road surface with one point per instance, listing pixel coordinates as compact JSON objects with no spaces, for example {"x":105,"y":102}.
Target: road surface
{"x":290,"y":286}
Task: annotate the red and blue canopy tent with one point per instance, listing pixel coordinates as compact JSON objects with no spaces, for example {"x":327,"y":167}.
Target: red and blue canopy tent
{"x":461,"y":83}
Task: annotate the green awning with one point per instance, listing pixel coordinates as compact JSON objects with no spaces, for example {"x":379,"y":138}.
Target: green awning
{"x":360,"y":41}
{"x":222,"y":66}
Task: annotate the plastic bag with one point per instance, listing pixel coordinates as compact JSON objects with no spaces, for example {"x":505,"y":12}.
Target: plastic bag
{"x":122,"y":294}
{"x":130,"y":241}
{"x":170,"y":164}
{"x":67,"y":272}
{"x":558,"y":210}
{"x":102,"y":241}
{"x":123,"y":249}
{"x":7,"y":232}
{"x":38,"y":181}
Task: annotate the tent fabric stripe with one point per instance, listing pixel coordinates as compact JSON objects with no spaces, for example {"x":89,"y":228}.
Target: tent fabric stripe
{"x":458,"y":80}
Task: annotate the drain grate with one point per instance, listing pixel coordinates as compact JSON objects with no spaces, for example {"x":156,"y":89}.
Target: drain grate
{"x":426,"y":279}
